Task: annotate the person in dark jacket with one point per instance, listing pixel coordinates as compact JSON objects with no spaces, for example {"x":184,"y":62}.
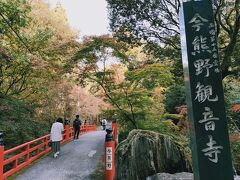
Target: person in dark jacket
{"x":77,"y":125}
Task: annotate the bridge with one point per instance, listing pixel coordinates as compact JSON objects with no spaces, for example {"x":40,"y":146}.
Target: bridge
{"x":78,"y":159}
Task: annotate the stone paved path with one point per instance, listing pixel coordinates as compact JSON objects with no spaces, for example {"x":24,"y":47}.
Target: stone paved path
{"x":78,"y":159}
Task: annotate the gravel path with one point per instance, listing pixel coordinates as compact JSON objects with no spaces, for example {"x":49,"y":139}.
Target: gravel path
{"x":78,"y":159}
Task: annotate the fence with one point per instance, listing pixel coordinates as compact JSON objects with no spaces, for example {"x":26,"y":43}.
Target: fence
{"x":22,"y":155}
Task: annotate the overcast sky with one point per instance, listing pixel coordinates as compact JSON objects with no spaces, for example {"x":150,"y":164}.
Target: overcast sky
{"x":88,"y":16}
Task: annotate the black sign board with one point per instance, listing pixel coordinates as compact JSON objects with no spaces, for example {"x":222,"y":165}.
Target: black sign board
{"x":206,"y":111}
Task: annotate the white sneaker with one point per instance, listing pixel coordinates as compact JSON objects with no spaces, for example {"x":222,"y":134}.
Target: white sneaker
{"x":58,"y":153}
{"x":55,"y":155}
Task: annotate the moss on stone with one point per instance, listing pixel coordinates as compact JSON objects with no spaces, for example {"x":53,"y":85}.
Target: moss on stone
{"x":145,"y":153}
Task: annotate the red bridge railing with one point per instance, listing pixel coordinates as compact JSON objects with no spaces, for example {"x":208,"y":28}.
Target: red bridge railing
{"x":22,"y":155}
{"x":115,"y":132}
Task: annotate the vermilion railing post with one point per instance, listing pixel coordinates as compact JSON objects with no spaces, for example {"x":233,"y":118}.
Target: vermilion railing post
{"x":66,"y":127}
{"x":81,"y":129}
{"x":28,"y":153}
{"x":46,"y":144}
{"x":84,"y":128}
{"x":71,"y":133}
{"x":115,"y":131}
{"x":1,"y":161}
{"x":1,"y":155}
{"x":109,"y":155}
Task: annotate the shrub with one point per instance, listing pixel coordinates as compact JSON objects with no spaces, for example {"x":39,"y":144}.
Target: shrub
{"x":175,"y":97}
{"x":17,"y":122}
{"x":164,"y":127}
{"x":236,"y":156}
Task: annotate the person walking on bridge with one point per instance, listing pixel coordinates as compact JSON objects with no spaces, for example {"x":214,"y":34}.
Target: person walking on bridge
{"x":56,"y":136}
{"x":104,"y":123}
{"x":77,"y":125}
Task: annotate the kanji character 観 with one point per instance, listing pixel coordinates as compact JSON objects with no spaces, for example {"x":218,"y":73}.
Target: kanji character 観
{"x":204,"y":93}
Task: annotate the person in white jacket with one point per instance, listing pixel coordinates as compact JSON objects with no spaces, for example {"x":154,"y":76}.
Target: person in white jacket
{"x":56,"y":136}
